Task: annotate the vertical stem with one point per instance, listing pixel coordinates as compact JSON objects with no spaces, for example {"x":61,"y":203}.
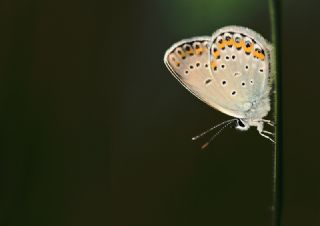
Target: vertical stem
{"x":275,"y":16}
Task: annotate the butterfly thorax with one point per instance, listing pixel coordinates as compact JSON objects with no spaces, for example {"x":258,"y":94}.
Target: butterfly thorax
{"x":259,"y":108}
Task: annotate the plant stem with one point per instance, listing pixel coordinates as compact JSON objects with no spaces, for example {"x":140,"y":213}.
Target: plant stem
{"x":275,"y":16}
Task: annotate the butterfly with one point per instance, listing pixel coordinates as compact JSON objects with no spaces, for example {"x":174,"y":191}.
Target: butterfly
{"x":229,"y":71}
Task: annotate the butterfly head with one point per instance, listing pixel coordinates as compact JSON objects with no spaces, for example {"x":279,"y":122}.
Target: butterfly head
{"x":242,"y":125}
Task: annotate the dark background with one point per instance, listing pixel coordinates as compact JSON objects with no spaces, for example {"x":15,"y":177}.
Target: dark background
{"x":95,"y":131}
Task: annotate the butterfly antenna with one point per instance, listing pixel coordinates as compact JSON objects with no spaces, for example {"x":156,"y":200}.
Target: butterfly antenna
{"x":216,"y":134}
{"x":212,"y":128}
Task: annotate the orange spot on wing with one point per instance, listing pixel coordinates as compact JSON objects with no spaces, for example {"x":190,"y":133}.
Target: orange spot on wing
{"x":248,"y":49}
{"x":222,"y":44}
{"x":239,"y":44}
{"x":259,"y":55}
{"x":216,"y":54}
{"x":213,"y":65}
{"x":199,"y":51}
{"x":181,"y":53}
{"x":230,"y":42}
{"x":190,"y":52}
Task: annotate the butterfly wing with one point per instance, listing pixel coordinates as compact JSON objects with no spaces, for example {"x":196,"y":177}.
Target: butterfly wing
{"x":241,"y":60}
{"x":189,"y":62}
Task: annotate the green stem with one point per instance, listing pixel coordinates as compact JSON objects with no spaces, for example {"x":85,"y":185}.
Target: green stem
{"x":275,"y":8}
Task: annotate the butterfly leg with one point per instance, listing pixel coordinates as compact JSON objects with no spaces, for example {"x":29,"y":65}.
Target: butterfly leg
{"x":269,"y":122}
{"x":267,"y":132}
{"x":261,"y":132}
{"x":269,"y":138}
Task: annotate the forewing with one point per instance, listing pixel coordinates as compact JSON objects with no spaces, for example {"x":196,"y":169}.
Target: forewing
{"x":189,"y":62}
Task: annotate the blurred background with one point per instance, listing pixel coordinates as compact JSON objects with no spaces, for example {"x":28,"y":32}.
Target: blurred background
{"x":95,"y":131}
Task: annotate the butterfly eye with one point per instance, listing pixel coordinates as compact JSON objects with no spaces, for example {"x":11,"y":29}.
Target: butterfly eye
{"x":240,"y":123}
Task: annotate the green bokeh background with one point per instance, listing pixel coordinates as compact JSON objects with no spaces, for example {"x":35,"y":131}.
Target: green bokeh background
{"x":95,"y":131}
